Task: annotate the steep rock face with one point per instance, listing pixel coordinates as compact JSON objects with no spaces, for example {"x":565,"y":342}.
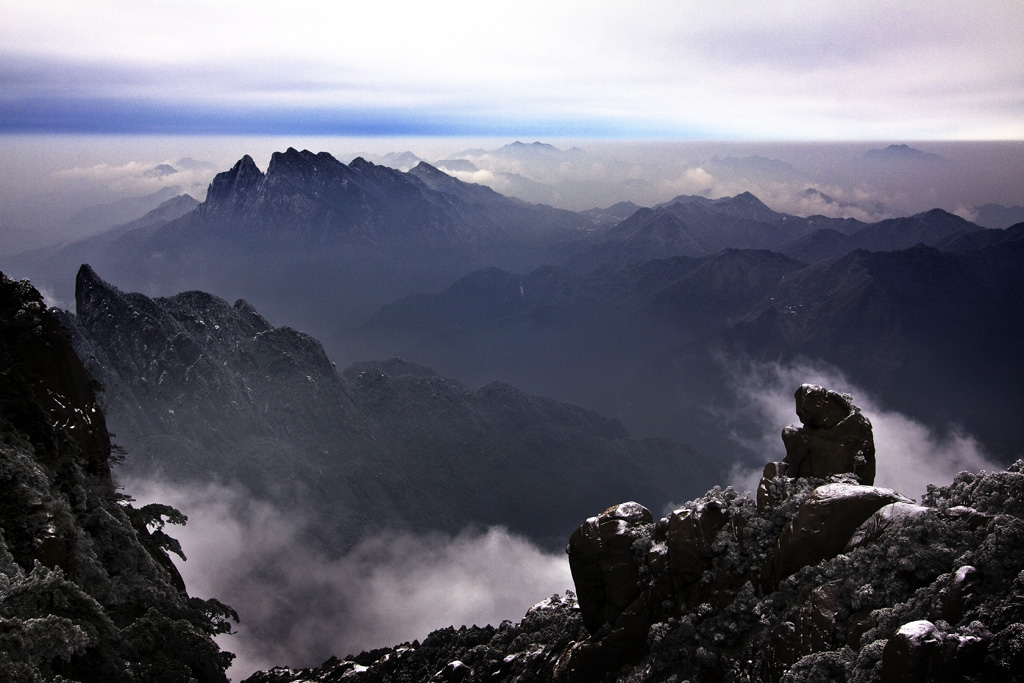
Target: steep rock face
{"x":196,"y":345}
{"x":87,"y":591}
{"x":601,"y":558}
{"x":37,"y":350}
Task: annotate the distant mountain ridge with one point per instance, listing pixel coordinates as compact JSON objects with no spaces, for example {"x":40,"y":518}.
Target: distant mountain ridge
{"x":698,"y":226}
{"x":322,"y":246}
{"x":633,"y":340}
{"x":352,"y":236}
{"x":904,"y":153}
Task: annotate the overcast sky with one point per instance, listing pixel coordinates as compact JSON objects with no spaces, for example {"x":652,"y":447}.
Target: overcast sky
{"x":676,"y":69}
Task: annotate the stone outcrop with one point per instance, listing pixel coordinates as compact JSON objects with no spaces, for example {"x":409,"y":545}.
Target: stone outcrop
{"x":689,"y":539}
{"x":877,"y":524}
{"x":87,"y":590}
{"x":823,"y":525}
{"x":605,"y":569}
{"x":55,"y":398}
{"x":835,"y":437}
{"x":702,"y":557}
{"x":920,"y":652}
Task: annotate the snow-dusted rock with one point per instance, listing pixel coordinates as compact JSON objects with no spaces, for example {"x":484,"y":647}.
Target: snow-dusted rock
{"x":878,"y":523}
{"x":835,"y":437}
{"x":691,"y":533}
{"x":603,"y":565}
{"x":823,"y":524}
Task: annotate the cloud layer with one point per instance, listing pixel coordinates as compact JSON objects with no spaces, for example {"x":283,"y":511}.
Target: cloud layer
{"x":299,"y":606}
{"x":802,"y":69}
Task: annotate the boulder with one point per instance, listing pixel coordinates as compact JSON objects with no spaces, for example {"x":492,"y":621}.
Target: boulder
{"x":606,"y":572}
{"x":806,"y":629}
{"x":835,"y":437}
{"x":880,"y":522}
{"x":689,"y":538}
{"x":919,"y":652}
{"x":771,"y":490}
{"x":958,"y":594}
{"x":603,"y":565}
{"x":906,"y":656}
{"x":826,"y":520}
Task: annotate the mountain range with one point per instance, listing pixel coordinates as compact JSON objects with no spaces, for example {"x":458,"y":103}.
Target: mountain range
{"x":823,"y":577}
{"x":628,"y":316}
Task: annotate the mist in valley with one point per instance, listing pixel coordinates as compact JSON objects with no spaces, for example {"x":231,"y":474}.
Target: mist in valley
{"x":389,"y":299}
{"x":300,"y":605}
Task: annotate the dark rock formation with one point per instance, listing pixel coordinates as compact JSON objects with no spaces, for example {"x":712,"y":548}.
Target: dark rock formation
{"x":603,"y":564}
{"x":605,"y":569}
{"x":87,"y":590}
{"x":823,"y":526}
{"x":835,"y":437}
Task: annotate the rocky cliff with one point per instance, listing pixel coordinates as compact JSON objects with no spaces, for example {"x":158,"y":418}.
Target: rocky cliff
{"x":824,"y":577}
{"x":87,"y":590}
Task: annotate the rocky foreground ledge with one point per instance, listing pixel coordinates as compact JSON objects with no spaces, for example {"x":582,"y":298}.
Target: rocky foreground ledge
{"x":824,"y":577}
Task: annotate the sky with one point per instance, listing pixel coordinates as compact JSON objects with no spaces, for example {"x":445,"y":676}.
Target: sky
{"x":799,"y":70}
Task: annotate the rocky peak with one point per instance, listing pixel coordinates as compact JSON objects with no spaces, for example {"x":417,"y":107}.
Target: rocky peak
{"x":46,"y":391}
{"x":100,"y":307}
{"x":298,"y":164}
{"x":835,"y":437}
{"x":817,"y":568}
{"x":231,"y":188}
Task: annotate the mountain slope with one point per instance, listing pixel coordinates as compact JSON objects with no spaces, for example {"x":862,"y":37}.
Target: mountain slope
{"x":698,"y":226}
{"x":87,"y":590}
{"x":198,"y":388}
{"x":930,"y":227}
{"x":906,"y":320}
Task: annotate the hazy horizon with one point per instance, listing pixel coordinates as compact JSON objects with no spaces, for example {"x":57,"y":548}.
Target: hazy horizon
{"x":48,"y":181}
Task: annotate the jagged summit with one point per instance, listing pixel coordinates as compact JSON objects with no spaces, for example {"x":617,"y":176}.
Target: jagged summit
{"x":308,"y":198}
